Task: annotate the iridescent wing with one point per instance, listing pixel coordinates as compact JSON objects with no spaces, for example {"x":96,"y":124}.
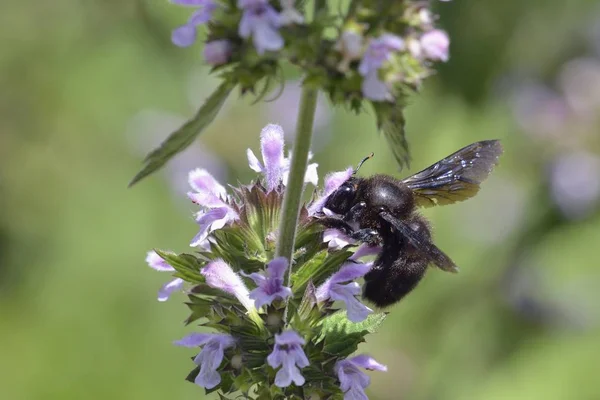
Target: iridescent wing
{"x":456,"y":177}
{"x":421,"y":243}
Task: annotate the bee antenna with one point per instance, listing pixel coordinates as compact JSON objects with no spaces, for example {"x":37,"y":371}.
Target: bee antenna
{"x":362,"y":162}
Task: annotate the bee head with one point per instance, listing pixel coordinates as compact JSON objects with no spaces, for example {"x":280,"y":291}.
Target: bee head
{"x":343,"y":198}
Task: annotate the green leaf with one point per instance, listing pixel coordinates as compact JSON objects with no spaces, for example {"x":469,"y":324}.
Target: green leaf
{"x":338,"y":323}
{"x":200,"y":308}
{"x":343,"y":345}
{"x":342,"y":336}
{"x":184,"y":136}
{"x":317,"y":269}
{"x":390,"y":120}
{"x":186,"y":265}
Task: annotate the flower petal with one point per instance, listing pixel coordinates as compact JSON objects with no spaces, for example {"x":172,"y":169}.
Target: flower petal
{"x":271,"y":143}
{"x":336,"y":239}
{"x":168,"y":288}
{"x":365,"y":250}
{"x":253,"y":162}
{"x":289,"y":338}
{"x":375,"y":89}
{"x":184,"y":36}
{"x":367,"y":362}
{"x":277,"y":267}
{"x":157,"y":263}
{"x":311,"y":175}
{"x":203,"y":182}
{"x":349,"y":272}
{"x":194,"y":339}
{"x":219,"y":275}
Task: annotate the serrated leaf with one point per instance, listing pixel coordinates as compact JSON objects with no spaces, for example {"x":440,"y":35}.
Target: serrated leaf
{"x":317,"y":269}
{"x":339,"y":323}
{"x":184,"y":136}
{"x":390,"y":120}
{"x":186,"y":265}
{"x":343,"y":345}
{"x":342,"y":336}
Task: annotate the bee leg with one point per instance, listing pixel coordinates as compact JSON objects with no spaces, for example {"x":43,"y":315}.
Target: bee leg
{"x":368,"y":236}
{"x":355,"y":213}
{"x":337,"y":223}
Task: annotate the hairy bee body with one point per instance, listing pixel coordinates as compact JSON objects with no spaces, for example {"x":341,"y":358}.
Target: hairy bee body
{"x":381,"y":210}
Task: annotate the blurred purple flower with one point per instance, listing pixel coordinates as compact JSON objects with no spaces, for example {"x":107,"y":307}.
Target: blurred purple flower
{"x":350,"y":44}
{"x":210,"y":357}
{"x":283,"y":112}
{"x":333,"y":181}
{"x":332,"y":289}
{"x":289,"y":15}
{"x":579,"y":80}
{"x":210,"y":195}
{"x":379,"y":51}
{"x":157,"y":263}
{"x":262,"y":22}
{"x":288,"y":354}
{"x":185,"y":35}
{"x":217,"y":52}
{"x":575,"y":183}
{"x":219,"y":275}
{"x":540,"y":111}
{"x":353,"y":381}
{"x":270,"y":287}
{"x":276,"y":166}
{"x":336,"y":240}
{"x":435,"y":44}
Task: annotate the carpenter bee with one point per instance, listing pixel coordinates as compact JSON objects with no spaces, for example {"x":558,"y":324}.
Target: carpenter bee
{"x":381,"y":210}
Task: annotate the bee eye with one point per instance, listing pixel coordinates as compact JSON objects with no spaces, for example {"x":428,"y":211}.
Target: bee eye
{"x":382,"y":209}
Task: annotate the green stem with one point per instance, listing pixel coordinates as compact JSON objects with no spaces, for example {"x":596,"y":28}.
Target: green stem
{"x":295,"y":184}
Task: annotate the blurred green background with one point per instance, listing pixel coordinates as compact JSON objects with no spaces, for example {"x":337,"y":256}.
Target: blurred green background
{"x":87,"y":87}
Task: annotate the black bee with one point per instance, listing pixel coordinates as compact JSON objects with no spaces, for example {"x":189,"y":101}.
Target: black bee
{"x":380,"y":210}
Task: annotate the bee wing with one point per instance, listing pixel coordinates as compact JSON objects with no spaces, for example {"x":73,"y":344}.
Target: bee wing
{"x":420,"y":242}
{"x":456,"y":177}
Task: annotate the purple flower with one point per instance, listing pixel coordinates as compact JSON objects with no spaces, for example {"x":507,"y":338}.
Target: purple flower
{"x":350,"y":44}
{"x":379,"y":52}
{"x":157,"y":263}
{"x":365,"y":250}
{"x":332,"y":289}
{"x":435,"y":44}
{"x":332,"y":182}
{"x":575,"y":183}
{"x":276,"y":167}
{"x":289,"y":15}
{"x":185,"y":35}
{"x":271,"y":286}
{"x":289,"y":355}
{"x":262,"y":22}
{"x":579,"y":80}
{"x":210,"y":357}
{"x":336,"y":240}
{"x":353,"y":381}
{"x":219,"y":275}
{"x":540,"y":111}
{"x":212,"y":196}
{"x":217,"y":52}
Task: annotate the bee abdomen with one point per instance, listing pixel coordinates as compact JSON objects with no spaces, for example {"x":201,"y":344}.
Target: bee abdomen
{"x":388,"y":284}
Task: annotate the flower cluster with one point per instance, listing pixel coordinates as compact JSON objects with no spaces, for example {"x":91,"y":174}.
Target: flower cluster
{"x":278,"y":330}
{"x":383,"y":52}
{"x":383,"y":55}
